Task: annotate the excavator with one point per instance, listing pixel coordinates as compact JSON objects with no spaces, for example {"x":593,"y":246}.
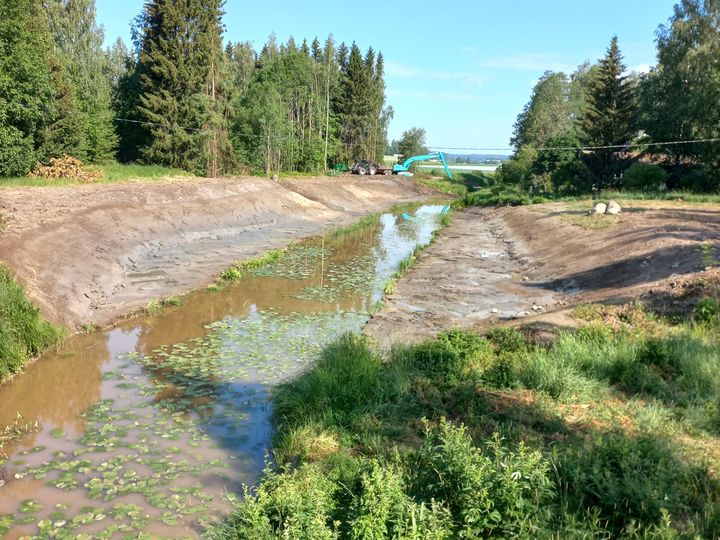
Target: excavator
{"x":403,"y":169}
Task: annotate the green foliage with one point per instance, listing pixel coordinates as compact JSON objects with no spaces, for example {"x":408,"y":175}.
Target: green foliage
{"x":23,"y":334}
{"x":182,"y":96}
{"x":80,"y":44}
{"x":490,"y":491}
{"x":412,"y":143}
{"x":633,"y":483}
{"x":374,"y":438}
{"x":645,"y":177}
{"x":707,"y":311}
{"x":678,"y":107}
{"x":610,"y":118}
{"x":27,"y":88}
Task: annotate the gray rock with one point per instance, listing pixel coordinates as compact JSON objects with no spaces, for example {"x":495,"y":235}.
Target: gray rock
{"x":613,"y":208}
{"x":600,"y":208}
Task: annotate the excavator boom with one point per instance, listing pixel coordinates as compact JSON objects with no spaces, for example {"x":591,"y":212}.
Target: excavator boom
{"x":403,"y":168}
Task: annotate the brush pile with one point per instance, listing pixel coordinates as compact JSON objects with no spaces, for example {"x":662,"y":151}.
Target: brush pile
{"x":69,"y":168}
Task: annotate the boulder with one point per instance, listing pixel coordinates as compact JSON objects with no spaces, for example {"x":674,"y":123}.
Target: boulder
{"x":600,"y":208}
{"x":613,"y":208}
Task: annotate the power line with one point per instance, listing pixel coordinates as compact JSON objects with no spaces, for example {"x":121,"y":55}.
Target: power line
{"x":605,"y":147}
{"x":146,"y":123}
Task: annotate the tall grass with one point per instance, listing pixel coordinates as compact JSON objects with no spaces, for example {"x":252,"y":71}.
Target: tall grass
{"x":467,"y":437}
{"x":23,"y":334}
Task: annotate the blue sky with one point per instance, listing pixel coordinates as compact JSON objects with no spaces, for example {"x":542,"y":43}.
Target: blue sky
{"x":462,"y":70}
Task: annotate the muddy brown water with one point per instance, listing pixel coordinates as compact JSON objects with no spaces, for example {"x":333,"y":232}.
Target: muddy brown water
{"x":153,"y":427}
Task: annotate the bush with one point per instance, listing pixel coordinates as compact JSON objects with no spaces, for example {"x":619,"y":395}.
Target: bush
{"x":299,"y":504}
{"x":630,"y":480}
{"x":645,"y":177}
{"x":490,"y":491}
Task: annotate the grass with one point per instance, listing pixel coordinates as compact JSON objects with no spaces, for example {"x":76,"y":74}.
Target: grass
{"x":502,"y":194}
{"x":236,"y":271}
{"x":23,"y":333}
{"x":611,"y":430}
{"x":112,"y":173}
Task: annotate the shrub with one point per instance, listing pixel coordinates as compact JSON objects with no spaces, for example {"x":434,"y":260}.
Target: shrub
{"x":645,"y":177}
{"x":490,"y":491}
{"x":630,"y":480}
{"x":298,"y":504}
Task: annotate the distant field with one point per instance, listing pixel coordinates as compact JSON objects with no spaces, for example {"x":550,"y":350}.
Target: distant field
{"x":458,"y":167}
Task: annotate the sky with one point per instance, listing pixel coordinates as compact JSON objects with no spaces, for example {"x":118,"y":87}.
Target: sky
{"x":462,"y":70}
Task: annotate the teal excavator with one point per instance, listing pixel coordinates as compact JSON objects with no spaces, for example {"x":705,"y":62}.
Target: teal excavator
{"x":368,"y":167}
{"x":403,"y":169}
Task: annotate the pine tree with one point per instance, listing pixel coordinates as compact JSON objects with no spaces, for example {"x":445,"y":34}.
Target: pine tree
{"x":181,"y":97}
{"x":79,"y":42}
{"x":610,"y":116}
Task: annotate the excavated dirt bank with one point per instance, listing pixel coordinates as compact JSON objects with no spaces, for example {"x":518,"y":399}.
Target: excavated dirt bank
{"x":94,"y":253}
{"x":532,"y":263}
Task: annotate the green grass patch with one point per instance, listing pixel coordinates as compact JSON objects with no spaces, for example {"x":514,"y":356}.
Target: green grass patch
{"x":23,"y":333}
{"x":608,"y":431}
{"x":504,"y":194}
{"x":238,"y":270}
{"x":112,"y":173}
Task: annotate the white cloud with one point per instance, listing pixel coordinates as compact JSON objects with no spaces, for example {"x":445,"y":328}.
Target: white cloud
{"x":527,"y":62}
{"x":409,"y":72}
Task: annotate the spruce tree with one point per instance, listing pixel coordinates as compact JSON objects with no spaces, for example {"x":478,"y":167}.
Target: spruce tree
{"x":181,"y":92}
{"x":610,"y":115}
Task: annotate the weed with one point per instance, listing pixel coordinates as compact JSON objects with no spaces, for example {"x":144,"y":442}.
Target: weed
{"x":171,"y":301}
{"x":154,"y":307}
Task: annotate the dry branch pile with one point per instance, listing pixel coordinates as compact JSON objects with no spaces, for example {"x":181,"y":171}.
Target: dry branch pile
{"x":66,"y":167}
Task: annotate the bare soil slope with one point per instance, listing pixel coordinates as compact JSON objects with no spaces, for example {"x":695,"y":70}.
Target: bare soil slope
{"x":495,"y":265}
{"x":93,"y":253}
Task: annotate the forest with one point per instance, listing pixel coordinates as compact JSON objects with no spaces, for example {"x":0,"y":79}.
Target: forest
{"x":180,"y":95}
{"x":658,"y":130}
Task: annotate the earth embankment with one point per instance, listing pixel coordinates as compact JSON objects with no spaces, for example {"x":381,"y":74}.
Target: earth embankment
{"x":496,"y":266}
{"x":90,"y":254}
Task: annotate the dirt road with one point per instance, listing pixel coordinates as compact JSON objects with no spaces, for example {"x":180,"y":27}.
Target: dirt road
{"x":89,"y":254}
{"x":527,"y":263}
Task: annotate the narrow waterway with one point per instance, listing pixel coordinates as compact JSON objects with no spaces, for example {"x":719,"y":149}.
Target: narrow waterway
{"x":153,"y":427}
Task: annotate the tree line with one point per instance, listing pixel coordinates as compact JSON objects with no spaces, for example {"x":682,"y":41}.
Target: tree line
{"x":603,"y":105}
{"x":181,"y":95}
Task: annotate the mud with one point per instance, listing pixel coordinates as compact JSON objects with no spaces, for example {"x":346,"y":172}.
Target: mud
{"x":90,"y":254}
{"x":533,"y":264}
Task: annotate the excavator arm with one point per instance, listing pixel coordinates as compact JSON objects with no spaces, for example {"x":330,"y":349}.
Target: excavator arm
{"x":403,"y":168}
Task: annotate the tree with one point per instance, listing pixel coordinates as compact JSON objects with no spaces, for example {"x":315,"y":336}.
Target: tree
{"x":547,"y":114}
{"x":182,"y":98}
{"x":609,"y":118}
{"x":412,"y":143}
{"x":79,"y":41}
{"x":34,"y":93}
{"x":680,"y":97}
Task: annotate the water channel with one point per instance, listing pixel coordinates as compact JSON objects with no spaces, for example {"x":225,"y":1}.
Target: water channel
{"x":151,"y":428}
